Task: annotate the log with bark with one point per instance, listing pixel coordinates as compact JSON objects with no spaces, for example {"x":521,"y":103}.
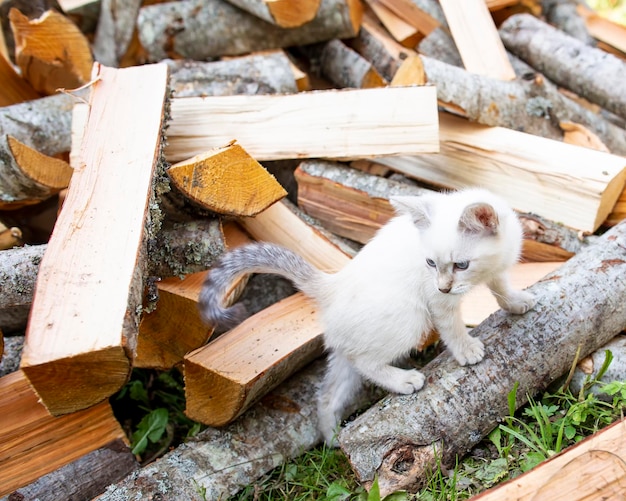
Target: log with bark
{"x":590,"y":72}
{"x":187,"y":29}
{"x":565,"y":15}
{"x":83,"y":322}
{"x":339,"y":123}
{"x":116,"y":24}
{"x":402,"y":437}
{"x":14,"y":88}
{"x":403,"y":32}
{"x":283,"y":13}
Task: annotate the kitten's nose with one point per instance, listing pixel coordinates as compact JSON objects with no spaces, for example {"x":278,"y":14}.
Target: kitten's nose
{"x":445,"y":290}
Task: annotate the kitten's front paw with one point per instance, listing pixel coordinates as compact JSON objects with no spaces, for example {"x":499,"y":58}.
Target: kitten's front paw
{"x":472,"y":353}
{"x":413,"y":380}
{"x":519,"y":302}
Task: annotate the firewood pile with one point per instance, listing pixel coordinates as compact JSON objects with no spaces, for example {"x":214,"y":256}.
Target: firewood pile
{"x":141,"y":140}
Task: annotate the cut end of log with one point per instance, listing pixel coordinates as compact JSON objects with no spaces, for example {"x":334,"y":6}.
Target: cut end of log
{"x":79,"y":382}
{"x":51,"y":173}
{"x":227,"y":181}
{"x":293,"y":13}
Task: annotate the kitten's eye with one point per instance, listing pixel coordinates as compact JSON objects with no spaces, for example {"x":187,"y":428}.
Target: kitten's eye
{"x":461,"y":265}
{"x":431,"y":263}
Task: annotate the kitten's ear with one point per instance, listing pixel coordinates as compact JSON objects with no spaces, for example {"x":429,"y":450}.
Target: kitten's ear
{"x":414,"y":207}
{"x":479,"y":219}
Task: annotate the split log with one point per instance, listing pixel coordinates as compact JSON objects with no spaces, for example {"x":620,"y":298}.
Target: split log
{"x":187,"y":29}
{"x":425,"y":18}
{"x":590,"y":72}
{"x":574,"y":185}
{"x":523,"y":104}
{"x":337,"y":196}
{"x":226,"y":180}
{"x":116,"y":24}
{"x":398,"y":28}
{"x":477,"y":38}
{"x":14,"y":88}
{"x":619,"y":211}
{"x":90,"y":284}
{"x":18,"y":272}
{"x":227,"y":376}
{"x":339,"y":123}
{"x":51,"y":51}
{"x":591,"y":469}
{"x":402,"y":437}
{"x":29,"y":435}
{"x":266,"y":73}
{"x":283,"y":13}
{"x":346,"y":68}
{"x":43,"y":125}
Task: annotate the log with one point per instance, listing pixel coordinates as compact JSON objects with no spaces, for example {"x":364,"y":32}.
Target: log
{"x":477,"y":38}
{"x":571,"y":184}
{"x":84,"y":478}
{"x":30,"y":436}
{"x":18,"y":272}
{"x":339,"y":123}
{"x":522,"y":104}
{"x":565,"y":15}
{"x":186,"y":29}
{"x":51,"y":51}
{"x":43,"y":125}
{"x":12,"y":354}
{"x":403,"y":32}
{"x":402,"y":437}
{"x":283,"y":13}
{"x":604,"y":30}
{"x":590,"y":72}
{"x":14,"y":88}
{"x":226,"y":180}
{"x":225,"y":377}
{"x":415,"y":14}
{"x":354,"y":205}
{"x":116,"y":24}
{"x":591,"y":469}
{"x":83,"y":323}
{"x":346,"y":68}
{"x":261,"y":73}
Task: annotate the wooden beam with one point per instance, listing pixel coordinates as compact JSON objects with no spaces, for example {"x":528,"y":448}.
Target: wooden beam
{"x":338,"y":123}
{"x":83,"y":323}
{"x":570,"y":184}
{"x":33,"y":443}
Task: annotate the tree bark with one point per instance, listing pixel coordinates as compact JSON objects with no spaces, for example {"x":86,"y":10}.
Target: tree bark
{"x":188,"y":29}
{"x":346,"y":68}
{"x":564,"y":15}
{"x":18,"y":273}
{"x":580,"y":305}
{"x":590,"y":72}
{"x":284,"y":13}
{"x":116,"y":24}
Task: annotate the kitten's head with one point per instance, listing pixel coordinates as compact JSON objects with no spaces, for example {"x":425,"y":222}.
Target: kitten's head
{"x":460,"y":239}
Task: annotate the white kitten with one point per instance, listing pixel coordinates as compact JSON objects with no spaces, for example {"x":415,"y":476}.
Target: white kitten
{"x":407,"y":280}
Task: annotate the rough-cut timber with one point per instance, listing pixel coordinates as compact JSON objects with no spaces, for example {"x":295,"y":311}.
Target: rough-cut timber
{"x":338,"y":123}
{"x":283,"y":13}
{"x":187,"y":29}
{"x":580,"y":306}
{"x":18,"y":272}
{"x":33,"y":443}
{"x":51,"y":51}
{"x":83,"y":324}
{"x":477,"y":39}
{"x":592,"y":73}
{"x":570,"y":184}
{"x":43,"y":124}
{"x":265,"y":73}
{"x":590,"y":470}
{"x":226,"y":180}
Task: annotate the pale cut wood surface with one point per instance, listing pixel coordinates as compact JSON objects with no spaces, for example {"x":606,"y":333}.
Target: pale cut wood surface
{"x":284,"y":13}
{"x":570,"y":184}
{"x":588,"y":471}
{"x":33,"y":443}
{"x":332,"y":123}
{"x":413,"y":15}
{"x":403,"y":32}
{"x":477,"y":38}
{"x":83,"y":322}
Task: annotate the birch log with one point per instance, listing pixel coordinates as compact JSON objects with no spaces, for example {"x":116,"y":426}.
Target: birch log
{"x":592,"y":73}
{"x":116,"y":24}
{"x":581,"y":305}
{"x":188,"y":29}
{"x":283,"y":13}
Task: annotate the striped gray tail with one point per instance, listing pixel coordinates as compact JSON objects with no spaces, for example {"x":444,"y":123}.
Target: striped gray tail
{"x":257,"y":257}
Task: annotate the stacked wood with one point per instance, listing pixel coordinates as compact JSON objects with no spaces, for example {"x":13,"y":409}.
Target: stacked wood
{"x":96,"y":300}
{"x":283,"y":13}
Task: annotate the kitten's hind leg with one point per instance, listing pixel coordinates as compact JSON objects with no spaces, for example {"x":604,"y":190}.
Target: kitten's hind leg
{"x":341,"y":383}
{"x":510,"y":299}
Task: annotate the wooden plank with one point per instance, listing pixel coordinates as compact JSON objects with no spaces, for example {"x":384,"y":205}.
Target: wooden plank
{"x":83,"y":323}
{"x":592,"y":469}
{"x":477,"y":39}
{"x":573,"y":185}
{"x":334,"y":123}
{"x":227,"y":376}
{"x":33,"y":443}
